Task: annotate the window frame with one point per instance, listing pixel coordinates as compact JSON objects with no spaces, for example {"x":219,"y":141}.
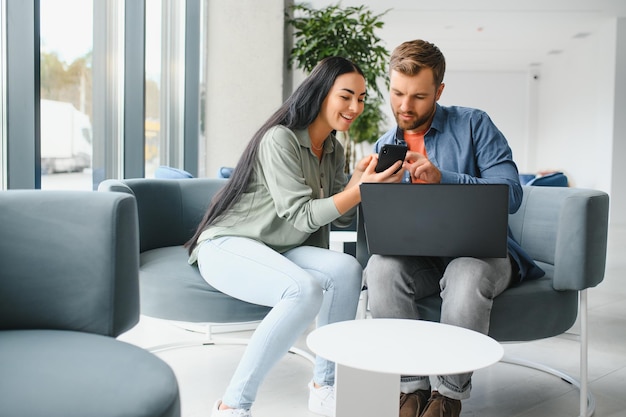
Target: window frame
{"x":119,"y":91}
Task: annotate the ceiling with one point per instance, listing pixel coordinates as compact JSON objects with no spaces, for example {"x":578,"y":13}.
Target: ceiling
{"x":491,"y":35}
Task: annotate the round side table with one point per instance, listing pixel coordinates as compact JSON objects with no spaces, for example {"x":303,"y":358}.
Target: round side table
{"x":371,"y":354}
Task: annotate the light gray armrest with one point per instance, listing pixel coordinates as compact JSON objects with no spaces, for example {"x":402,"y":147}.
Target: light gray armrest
{"x":581,"y":262}
{"x":70,"y":261}
{"x":549,"y":226}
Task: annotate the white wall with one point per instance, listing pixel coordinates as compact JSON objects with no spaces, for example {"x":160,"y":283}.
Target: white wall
{"x":503,"y":95}
{"x":245,"y":67}
{"x":576,"y":111}
{"x":580,"y":125}
{"x":618,"y":173}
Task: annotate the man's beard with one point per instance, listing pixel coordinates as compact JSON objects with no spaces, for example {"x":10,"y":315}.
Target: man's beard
{"x":413,"y":124}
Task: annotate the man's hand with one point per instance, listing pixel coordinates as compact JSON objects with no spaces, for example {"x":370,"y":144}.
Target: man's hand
{"x":421,"y":169}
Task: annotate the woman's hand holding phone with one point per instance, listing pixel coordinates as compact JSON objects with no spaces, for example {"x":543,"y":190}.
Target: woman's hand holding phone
{"x":393,"y":173}
{"x":365,"y":171}
{"x":389,"y":155}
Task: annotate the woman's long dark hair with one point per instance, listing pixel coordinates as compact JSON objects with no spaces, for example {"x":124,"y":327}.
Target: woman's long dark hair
{"x":297,"y":112}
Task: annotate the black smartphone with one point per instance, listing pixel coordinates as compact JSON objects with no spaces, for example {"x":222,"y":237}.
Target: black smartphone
{"x":388,"y":155}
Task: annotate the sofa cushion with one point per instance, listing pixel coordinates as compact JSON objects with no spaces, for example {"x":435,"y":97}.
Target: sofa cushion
{"x":172,"y":289}
{"x":77,"y":374}
{"x":551,"y":312}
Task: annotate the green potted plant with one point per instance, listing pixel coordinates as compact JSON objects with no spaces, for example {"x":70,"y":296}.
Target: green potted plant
{"x":349,"y":32}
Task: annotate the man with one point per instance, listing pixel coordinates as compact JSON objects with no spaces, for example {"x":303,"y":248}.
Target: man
{"x":446,"y":145}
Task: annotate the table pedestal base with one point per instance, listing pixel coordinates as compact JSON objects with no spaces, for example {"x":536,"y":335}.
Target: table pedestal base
{"x":365,"y":393}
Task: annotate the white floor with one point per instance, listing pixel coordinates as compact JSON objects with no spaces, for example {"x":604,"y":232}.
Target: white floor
{"x":500,"y":390}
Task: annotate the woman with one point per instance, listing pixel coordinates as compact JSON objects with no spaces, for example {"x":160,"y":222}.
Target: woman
{"x":264,"y":238}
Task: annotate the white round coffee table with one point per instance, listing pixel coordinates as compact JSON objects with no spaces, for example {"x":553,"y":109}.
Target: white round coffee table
{"x":371,"y":354}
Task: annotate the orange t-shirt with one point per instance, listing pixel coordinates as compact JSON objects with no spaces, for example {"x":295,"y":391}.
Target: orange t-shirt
{"x":415,"y":141}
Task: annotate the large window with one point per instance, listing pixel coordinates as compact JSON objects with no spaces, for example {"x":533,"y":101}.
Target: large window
{"x":97,"y":89}
{"x":153,"y":86}
{"x":66,"y":45}
{"x":3,"y":71}
{"x":172,"y":84}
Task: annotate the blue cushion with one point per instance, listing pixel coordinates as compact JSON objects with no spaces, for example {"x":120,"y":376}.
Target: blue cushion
{"x":524,"y":178}
{"x":171,"y":173}
{"x":555,"y":179}
{"x":225,"y":172}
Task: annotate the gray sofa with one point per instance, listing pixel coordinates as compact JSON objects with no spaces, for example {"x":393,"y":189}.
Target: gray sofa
{"x":68,"y":287}
{"x":169,"y":211}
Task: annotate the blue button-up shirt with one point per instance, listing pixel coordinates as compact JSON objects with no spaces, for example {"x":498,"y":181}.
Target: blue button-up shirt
{"x":468,"y":148}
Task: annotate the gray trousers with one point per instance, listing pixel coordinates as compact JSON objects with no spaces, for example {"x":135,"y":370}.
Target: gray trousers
{"x":467,"y":287}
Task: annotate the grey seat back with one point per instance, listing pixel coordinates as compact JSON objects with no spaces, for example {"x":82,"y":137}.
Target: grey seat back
{"x":69,"y":261}
{"x":169,"y":210}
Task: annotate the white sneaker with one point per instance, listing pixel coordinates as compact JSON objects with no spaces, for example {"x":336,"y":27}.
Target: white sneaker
{"x":231,"y":412}
{"x":322,"y":400}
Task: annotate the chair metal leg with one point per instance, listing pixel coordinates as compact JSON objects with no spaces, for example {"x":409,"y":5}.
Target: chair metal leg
{"x":587,"y":400}
{"x":361,"y":312}
{"x":584,"y":357}
{"x":208,"y":330}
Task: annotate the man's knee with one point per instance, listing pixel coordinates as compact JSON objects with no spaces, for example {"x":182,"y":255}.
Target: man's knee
{"x":378,"y":269}
{"x":474,"y":277}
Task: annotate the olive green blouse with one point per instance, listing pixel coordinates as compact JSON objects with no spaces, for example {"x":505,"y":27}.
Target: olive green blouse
{"x":289,"y":200}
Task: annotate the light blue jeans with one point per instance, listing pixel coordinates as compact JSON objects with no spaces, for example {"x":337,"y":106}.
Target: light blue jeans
{"x":300,"y":285}
{"x":467,"y":287}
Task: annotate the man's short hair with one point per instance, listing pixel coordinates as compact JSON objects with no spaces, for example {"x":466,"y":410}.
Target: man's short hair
{"x":410,"y":57}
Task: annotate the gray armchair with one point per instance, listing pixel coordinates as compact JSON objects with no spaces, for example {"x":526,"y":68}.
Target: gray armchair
{"x":169,"y":211}
{"x":68,"y":287}
{"x":565,"y":231}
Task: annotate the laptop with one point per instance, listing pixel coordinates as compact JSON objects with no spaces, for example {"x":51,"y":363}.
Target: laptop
{"x":436,"y":219}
